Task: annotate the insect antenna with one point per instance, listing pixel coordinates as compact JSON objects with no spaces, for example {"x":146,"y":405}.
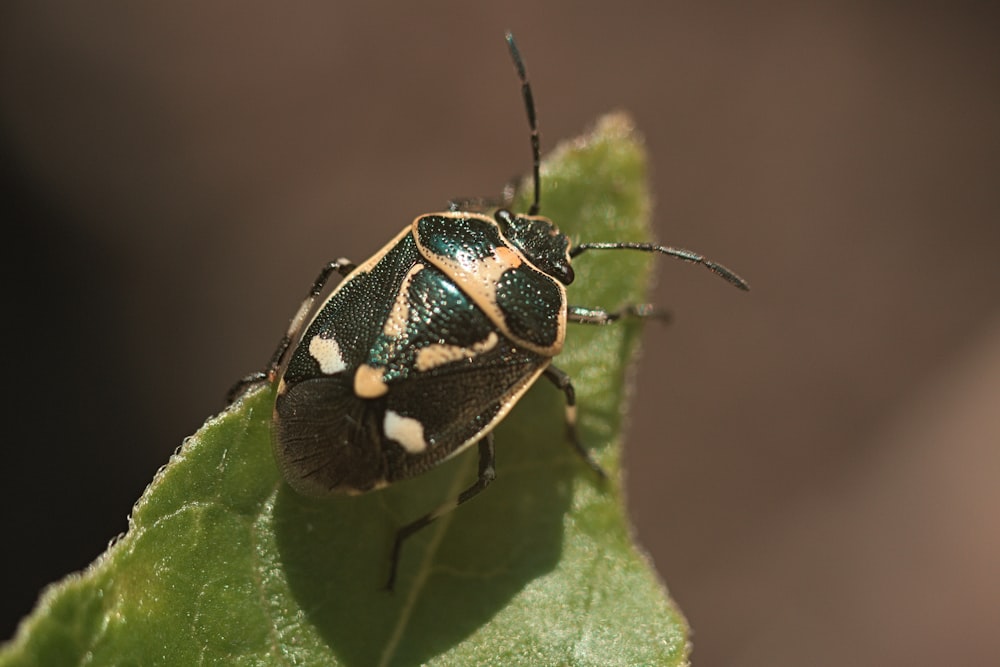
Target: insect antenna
{"x":678,"y":253}
{"x":529,"y":106}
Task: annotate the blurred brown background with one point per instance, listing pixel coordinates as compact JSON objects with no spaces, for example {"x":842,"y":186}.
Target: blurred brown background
{"x":812,"y":466}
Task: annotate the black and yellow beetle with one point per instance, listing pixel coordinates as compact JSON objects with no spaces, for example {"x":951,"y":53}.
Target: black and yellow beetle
{"x":423,"y":348}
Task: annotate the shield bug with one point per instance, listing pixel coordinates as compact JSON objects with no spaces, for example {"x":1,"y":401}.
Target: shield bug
{"x":422,"y":349}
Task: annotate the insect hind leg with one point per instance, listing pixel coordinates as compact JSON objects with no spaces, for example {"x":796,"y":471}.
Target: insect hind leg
{"x":341,"y":266}
{"x":487,"y":473}
{"x":562,"y":382}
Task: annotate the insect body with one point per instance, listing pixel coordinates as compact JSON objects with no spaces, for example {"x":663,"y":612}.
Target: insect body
{"x":425,"y":347}
{"x":418,"y":353}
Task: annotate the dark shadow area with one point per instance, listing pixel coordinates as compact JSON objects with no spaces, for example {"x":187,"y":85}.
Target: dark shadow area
{"x":71,"y":424}
{"x":489,"y":550}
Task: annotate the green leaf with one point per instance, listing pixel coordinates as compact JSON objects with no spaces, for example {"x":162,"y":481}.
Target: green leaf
{"x":223,"y":563}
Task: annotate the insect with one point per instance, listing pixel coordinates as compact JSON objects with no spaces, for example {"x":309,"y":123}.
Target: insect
{"x":422,"y":349}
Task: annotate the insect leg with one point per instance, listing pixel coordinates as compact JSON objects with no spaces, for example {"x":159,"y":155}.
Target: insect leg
{"x":341,"y":266}
{"x":585,"y":315}
{"x":561,"y":380}
{"x":487,"y":473}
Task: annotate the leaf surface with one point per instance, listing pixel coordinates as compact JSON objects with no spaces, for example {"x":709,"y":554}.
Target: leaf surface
{"x":224,"y":564}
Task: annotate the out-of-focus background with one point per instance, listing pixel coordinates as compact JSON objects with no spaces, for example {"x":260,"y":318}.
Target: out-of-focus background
{"x":813,"y":466}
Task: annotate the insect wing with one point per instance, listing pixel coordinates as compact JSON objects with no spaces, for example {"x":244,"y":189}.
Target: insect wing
{"x":451,"y":374}
{"x":342,"y":332}
{"x":326,"y":438}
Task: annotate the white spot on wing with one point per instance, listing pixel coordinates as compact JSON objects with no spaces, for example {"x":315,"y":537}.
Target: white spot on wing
{"x":407,"y":431}
{"x":326,"y":352}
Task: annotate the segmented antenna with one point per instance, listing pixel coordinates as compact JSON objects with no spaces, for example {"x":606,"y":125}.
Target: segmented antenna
{"x":529,"y":106}
{"x":728,"y":275}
